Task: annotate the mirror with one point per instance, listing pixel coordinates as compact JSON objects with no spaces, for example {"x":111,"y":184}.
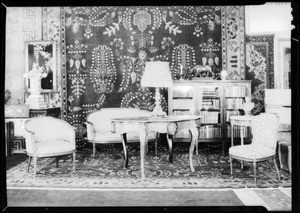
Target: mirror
{"x":43,"y":53}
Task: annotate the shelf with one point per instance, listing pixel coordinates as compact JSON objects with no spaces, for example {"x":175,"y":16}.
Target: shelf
{"x":209,"y":124}
{"x":210,"y":140}
{"x":210,"y":110}
{"x":182,"y":97}
{"x":215,"y":101}
{"x":210,"y":97}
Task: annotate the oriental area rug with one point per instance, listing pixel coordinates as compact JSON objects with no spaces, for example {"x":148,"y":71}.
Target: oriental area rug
{"x":105,"y":170}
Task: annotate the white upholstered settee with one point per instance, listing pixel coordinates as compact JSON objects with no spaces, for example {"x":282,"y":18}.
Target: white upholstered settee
{"x":99,"y":128}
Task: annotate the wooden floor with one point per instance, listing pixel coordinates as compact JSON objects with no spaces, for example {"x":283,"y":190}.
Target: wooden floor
{"x":276,"y":199}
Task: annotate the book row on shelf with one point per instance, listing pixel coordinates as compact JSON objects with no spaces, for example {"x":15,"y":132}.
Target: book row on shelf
{"x":182,"y":112}
{"x":213,"y":92}
{"x":228,"y":114}
{"x":204,"y":132}
{"x":183,"y":134}
{"x":209,"y":116}
{"x":235,"y":91}
{"x":211,"y":104}
{"x":210,"y":131}
{"x":237,"y":132}
{"x":233,"y":103}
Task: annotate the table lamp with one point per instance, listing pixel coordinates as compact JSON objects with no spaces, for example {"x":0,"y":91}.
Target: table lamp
{"x":157,"y":74}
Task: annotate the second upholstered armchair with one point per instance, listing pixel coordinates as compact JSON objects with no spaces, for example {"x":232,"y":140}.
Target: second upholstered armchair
{"x":99,"y":129}
{"x":264,"y":142}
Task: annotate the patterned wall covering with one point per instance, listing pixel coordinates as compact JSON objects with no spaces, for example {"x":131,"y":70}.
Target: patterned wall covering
{"x":106,"y":49}
{"x":51,"y":31}
{"x":260,"y":67}
{"x":22,"y":24}
{"x":29,"y":24}
{"x":233,"y":37}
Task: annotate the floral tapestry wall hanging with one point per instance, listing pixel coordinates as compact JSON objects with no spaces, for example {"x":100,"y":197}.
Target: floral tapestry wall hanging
{"x":260,"y":67}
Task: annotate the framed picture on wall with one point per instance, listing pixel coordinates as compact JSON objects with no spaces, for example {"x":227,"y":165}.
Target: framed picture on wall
{"x":43,"y":55}
{"x":285,"y":62}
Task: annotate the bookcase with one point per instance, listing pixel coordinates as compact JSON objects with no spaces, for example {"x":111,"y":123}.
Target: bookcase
{"x":215,"y":101}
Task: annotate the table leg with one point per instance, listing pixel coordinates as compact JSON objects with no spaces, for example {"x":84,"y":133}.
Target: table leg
{"x":242,"y":143}
{"x":143,"y":134}
{"x":231,"y":135}
{"x":242,"y":135}
{"x":194,"y":133}
{"x":125,"y":148}
{"x":170,"y":143}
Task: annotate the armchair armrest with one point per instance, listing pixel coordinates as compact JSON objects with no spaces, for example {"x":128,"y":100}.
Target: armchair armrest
{"x":88,"y":122}
{"x":90,"y":130}
{"x":30,"y":142}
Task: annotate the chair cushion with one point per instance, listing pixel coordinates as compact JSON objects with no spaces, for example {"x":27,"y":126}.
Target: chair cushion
{"x":251,"y":152}
{"x":55,"y":147}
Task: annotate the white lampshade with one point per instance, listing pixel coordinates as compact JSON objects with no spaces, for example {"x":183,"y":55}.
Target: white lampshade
{"x":157,"y":74}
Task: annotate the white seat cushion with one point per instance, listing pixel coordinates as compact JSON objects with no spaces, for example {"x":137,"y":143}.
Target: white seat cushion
{"x":53,"y":146}
{"x":251,"y":151}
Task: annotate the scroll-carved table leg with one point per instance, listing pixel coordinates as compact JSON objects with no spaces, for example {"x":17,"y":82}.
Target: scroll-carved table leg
{"x":170,"y":143}
{"x":143,"y":138}
{"x":125,"y":148}
{"x":194,"y":133}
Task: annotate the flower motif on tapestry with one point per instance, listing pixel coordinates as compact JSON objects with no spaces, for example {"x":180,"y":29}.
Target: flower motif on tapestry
{"x":256,"y":61}
{"x":132,"y":69}
{"x":77,"y":67}
{"x":141,"y":22}
{"x":211,"y":58}
{"x":89,"y":107}
{"x":97,"y":17}
{"x":103,"y":72}
{"x":166,"y":44}
{"x":207,"y":16}
{"x":77,"y":121}
{"x":182,"y":54}
{"x":258,"y":98}
{"x":142,"y":99}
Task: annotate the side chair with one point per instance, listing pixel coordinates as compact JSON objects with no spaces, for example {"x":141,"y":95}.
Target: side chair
{"x":264,"y":143}
{"x":48,"y":137}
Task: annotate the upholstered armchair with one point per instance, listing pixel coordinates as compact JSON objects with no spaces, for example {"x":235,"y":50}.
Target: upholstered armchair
{"x":48,"y":137}
{"x":99,"y":129}
{"x":264,"y":143}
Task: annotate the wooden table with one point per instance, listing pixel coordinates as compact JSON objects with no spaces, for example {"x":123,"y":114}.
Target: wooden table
{"x":168,"y":125}
{"x":242,"y":121}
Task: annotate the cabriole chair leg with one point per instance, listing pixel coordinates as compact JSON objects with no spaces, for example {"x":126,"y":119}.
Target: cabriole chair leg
{"x":156,"y":139}
{"x":276,"y":167}
{"x":94,"y":149}
{"x":28,"y":162}
{"x":74,"y":154}
{"x":254,"y":165}
{"x":34,"y":167}
{"x":231,"y":167}
{"x":56,"y":159}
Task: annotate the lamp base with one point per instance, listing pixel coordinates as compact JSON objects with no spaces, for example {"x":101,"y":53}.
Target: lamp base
{"x":157,"y":110}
